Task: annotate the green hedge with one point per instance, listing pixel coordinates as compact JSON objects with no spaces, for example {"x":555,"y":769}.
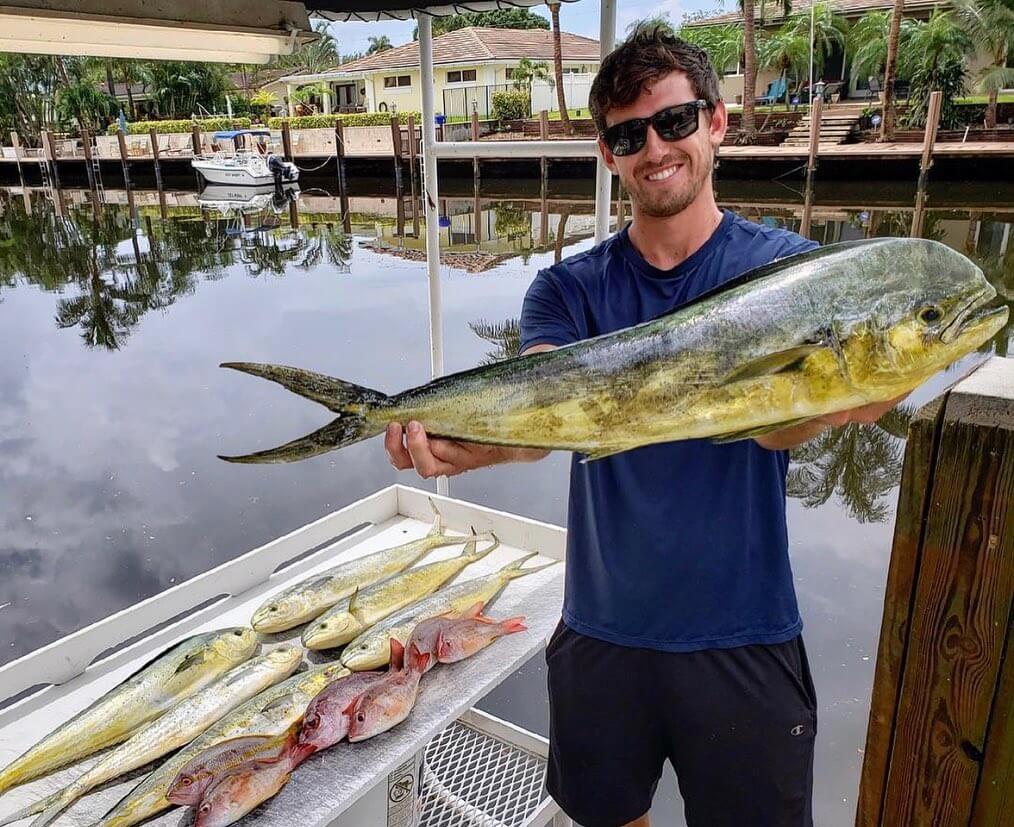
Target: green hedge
{"x":351,"y":119}
{"x":167,"y":127}
{"x":511,"y":105}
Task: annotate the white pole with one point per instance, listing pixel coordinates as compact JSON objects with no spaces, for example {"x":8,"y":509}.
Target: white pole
{"x":813,"y":6}
{"x":430,"y":201}
{"x":603,"y":177}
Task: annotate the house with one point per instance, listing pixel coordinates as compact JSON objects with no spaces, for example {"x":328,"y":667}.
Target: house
{"x":469,"y":65}
{"x":837,"y":67}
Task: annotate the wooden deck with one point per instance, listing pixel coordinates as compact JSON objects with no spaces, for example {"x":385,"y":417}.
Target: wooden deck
{"x":977,"y":149}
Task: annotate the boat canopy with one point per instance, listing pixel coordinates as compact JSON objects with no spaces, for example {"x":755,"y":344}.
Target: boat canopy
{"x":232,"y":133}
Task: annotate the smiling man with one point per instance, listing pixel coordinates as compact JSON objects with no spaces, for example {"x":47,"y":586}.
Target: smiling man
{"x":680,"y":637}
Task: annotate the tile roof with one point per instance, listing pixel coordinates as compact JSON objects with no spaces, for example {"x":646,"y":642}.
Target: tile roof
{"x":476,"y":45}
{"x":850,"y":8}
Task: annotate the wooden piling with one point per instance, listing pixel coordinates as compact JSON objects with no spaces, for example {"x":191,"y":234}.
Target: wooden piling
{"x":412,"y":150}
{"x":121,"y":139}
{"x":816,"y":109}
{"x":49,"y":156}
{"x":16,"y":143}
{"x":286,"y":141}
{"x":475,"y":137}
{"x":543,"y":213}
{"x":930,"y":137}
{"x":398,"y":150}
{"x":153,"y":137}
{"x":195,"y":140}
{"x":940,"y":743}
{"x":544,"y":136}
{"x":86,"y":147}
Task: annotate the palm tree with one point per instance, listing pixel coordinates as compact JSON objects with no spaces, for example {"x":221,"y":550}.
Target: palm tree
{"x":526,"y":71}
{"x":379,"y":43}
{"x":890,"y":69}
{"x":724,"y":44}
{"x":317,"y":55}
{"x":990,"y":23}
{"x":747,"y":125}
{"x":561,"y":97}
{"x":506,"y":335}
{"x":788,"y":49}
{"x":868,"y":41}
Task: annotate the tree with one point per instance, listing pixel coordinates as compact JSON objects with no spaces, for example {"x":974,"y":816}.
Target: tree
{"x":724,"y":44}
{"x":788,"y":49}
{"x":747,"y":124}
{"x":934,"y":59}
{"x":496,"y":19}
{"x":86,"y":103}
{"x":506,"y":335}
{"x":527,"y":71}
{"x":179,"y":89}
{"x":990,"y":23}
{"x":890,"y":70}
{"x":561,"y":97}
{"x":656,"y":21}
{"x":317,"y":55}
{"x":28,"y":85}
{"x":379,"y":43}
{"x":868,"y":42}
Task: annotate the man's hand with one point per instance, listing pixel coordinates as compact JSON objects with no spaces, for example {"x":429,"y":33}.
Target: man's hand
{"x":788,"y":438}
{"x":434,"y":457}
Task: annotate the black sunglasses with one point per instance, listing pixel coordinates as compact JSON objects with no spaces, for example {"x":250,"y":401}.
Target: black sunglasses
{"x":672,"y":124}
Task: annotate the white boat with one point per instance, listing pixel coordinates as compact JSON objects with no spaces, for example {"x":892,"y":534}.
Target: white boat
{"x":226,"y":198}
{"x":246,"y":167}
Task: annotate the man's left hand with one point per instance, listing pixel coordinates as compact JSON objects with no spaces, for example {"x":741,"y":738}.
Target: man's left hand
{"x":786,"y":439}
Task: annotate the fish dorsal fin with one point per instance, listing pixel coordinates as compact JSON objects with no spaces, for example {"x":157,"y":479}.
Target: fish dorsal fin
{"x":353,"y":604}
{"x":192,"y":660}
{"x":771,"y":363}
{"x":751,"y":433}
{"x":397,"y":654}
{"x":438,"y":520}
{"x":318,"y":582}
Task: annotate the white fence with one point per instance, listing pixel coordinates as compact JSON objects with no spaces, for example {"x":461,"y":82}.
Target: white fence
{"x":575,"y":89}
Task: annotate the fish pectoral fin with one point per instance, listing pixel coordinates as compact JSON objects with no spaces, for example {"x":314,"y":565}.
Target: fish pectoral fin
{"x":353,"y":601}
{"x":192,"y":660}
{"x":751,"y":433}
{"x":279,"y":703}
{"x":772,"y":363}
{"x":602,"y":453}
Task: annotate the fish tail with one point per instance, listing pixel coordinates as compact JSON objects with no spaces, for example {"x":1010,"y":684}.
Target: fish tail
{"x":352,"y":403}
{"x":513,"y":570}
{"x":57,"y":803}
{"x":438,"y":520}
{"x":512,"y":625}
{"x":32,"y":809}
{"x":470,"y":549}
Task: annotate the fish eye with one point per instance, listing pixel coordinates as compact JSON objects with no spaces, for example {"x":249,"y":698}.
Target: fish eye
{"x":930,"y":314}
{"x":311,"y":722}
{"x":360,"y":717}
{"x":323,"y":625}
{"x":185,"y":782}
{"x":273,"y":609}
{"x":238,"y":633}
{"x":206,"y":808}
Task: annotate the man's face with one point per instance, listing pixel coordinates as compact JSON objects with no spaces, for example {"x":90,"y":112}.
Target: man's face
{"x":664,"y":178}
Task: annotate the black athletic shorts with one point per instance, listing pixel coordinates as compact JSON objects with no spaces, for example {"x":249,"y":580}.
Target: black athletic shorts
{"x":738,"y":726}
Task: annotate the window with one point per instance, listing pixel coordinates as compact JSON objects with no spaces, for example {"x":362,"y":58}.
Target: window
{"x":461,"y":76}
{"x":509,"y":74}
{"x":396,"y":81}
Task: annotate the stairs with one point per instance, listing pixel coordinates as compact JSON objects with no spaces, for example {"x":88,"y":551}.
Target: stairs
{"x":835,"y":127}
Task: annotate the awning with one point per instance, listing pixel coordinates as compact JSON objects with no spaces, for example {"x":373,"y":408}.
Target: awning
{"x":370,"y":10}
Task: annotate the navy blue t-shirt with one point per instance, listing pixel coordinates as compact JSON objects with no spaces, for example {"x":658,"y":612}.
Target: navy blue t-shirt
{"x":680,"y":546}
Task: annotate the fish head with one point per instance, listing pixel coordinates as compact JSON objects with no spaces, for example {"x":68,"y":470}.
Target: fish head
{"x":236,"y":645}
{"x":450,"y":648}
{"x":370,"y":653}
{"x":371,"y":715}
{"x":281,"y":612}
{"x":323,"y":726}
{"x":285,"y":658}
{"x":188,"y":787}
{"x":334,"y":630}
{"x":224,"y":803}
{"x":932,"y":306}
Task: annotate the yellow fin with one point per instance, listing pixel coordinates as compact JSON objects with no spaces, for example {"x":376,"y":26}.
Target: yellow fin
{"x":771,"y":363}
{"x":751,"y":433}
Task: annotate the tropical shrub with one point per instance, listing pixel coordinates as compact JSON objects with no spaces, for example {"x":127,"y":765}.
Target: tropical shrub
{"x":509,"y":106}
{"x":948,"y":77}
{"x":169,"y":127}
{"x":352,"y":119}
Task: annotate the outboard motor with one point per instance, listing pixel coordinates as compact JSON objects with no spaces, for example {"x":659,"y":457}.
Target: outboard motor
{"x":277,"y":168}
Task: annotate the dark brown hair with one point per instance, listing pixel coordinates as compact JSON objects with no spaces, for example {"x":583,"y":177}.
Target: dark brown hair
{"x":647,"y":56}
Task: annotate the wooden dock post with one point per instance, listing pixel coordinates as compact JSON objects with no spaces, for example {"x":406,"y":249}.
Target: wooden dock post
{"x":940,"y":744}
{"x":543,"y":213}
{"x":475,"y":137}
{"x":153,"y":137}
{"x":398,"y":153}
{"x":16,"y":143}
{"x":286,"y":141}
{"x":544,"y":136}
{"x":49,"y":156}
{"x":195,"y":140}
{"x":121,"y":139}
{"x":816,"y":109}
{"x":413,"y":147}
{"x":930,"y":137}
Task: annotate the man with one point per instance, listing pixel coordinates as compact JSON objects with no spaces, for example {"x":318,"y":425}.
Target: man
{"x":680,"y":636}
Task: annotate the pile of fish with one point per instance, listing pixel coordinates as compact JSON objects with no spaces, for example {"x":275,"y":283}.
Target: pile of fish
{"x":812,"y":334}
{"x":234,"y":716}
{"x":227,"y":781}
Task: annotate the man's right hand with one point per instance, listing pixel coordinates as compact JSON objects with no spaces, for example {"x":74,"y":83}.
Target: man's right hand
{"x":436,"y":457}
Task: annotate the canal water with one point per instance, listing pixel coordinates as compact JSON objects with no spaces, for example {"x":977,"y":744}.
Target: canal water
{"x":115,"y":313}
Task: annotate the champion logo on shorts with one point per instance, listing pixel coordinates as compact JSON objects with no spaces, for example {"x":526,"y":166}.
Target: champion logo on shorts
{"x":799,"y":729}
